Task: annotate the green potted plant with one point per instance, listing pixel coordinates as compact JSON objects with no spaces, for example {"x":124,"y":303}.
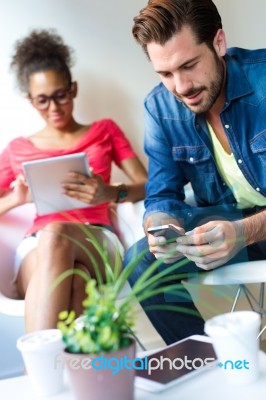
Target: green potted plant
{"x":103,"y":337}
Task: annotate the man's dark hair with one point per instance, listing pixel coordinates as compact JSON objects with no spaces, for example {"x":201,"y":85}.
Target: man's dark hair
{"x":161,"y":19}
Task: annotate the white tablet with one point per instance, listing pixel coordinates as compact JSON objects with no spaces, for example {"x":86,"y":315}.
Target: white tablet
{"x":175,"y":363}
{"x":45,"y":177}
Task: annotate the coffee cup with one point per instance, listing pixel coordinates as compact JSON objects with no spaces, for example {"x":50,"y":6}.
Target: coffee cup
{"x":40,"y":351}
{"x":234,"y":336}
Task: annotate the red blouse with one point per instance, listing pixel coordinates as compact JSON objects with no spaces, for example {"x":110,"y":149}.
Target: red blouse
{"x":104,"y":142}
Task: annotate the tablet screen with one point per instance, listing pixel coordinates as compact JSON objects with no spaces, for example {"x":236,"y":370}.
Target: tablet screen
{"x":177,"y":360}
{"x":45,"y":177}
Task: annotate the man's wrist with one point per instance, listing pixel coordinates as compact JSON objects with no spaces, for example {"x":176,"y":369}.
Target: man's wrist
{"x":255,"y":227}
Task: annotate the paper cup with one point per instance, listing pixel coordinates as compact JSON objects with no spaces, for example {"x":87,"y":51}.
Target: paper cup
{"x":234,"y":337}
{"x":41,"y":352}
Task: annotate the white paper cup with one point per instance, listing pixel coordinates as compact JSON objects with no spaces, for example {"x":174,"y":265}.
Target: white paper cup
{"x":41,"y":352}
{"x":234,"y":337}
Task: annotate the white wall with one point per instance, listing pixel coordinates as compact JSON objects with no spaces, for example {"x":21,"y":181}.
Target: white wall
{"x":113,"y":73}
{"x":244,"y":22}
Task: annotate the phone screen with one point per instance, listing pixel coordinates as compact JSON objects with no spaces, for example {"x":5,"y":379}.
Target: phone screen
{"x":178,"y":360}
{"x":168,"y":231}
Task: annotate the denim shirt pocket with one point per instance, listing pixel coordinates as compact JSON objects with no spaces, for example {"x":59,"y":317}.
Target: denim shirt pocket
{"x":258,"y":147}
{"x":199,"y":168}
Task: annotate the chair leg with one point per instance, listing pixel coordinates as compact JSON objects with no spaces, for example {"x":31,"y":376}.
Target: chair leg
{"x":236,"y":298}
{"x":259,"y":303}
{"x":261,"y":299}
{"x":250,"y":296}
{"x":261,"y":306}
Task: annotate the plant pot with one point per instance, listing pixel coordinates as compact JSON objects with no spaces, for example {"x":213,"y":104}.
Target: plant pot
{"x":99,"y":376}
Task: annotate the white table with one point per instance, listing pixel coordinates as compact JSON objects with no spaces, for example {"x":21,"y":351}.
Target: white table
{"x":207,"y":385}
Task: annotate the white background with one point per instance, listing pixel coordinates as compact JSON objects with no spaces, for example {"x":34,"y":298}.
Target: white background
{"x":113,"y":73}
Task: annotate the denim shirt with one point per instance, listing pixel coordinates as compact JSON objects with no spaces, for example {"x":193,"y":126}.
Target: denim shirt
{"x":179,"y":147}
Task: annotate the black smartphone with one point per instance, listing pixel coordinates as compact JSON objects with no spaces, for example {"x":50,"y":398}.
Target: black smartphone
{"x":170,"y":232}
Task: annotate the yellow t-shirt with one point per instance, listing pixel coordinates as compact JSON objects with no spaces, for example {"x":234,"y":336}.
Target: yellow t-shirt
{"x":245,"y":195}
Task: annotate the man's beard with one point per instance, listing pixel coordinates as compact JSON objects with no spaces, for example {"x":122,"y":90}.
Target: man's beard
{"x":213,"y":91}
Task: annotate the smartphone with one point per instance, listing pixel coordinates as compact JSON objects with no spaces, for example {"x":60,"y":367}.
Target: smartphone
{"x":170,"y":232}
{"x":174,"y":363}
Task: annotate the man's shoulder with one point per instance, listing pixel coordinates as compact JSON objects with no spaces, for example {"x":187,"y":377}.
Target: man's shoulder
{"x":163,"y":103}
{"x":158,"y":91}
{"x":247,"y":56}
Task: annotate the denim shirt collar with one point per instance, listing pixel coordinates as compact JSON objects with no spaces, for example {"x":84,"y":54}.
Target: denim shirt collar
{"x":237,"y":84}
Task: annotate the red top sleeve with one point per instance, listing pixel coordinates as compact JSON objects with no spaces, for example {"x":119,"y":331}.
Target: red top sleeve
{"x":8,"y":170}
{"x":104,"y":143}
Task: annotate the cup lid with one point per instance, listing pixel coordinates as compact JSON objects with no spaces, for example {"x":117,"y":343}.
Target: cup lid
{"x":237,"y":320}
{"x":43,"y":339}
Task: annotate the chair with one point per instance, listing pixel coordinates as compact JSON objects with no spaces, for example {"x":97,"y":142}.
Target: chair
{"x":127,"y":220}
{"x":240,"y":274}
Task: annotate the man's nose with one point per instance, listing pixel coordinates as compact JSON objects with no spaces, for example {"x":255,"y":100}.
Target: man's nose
{"x":182,"y":84}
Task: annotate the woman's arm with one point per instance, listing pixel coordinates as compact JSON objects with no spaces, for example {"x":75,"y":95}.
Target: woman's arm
{"x":17,"y":195}
{"x":136,"y":172}
{"x":94,"y":191}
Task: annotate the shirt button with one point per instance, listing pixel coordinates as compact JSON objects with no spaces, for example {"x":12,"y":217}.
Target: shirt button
{"x":227,"y":126}
{"x":191,"y":159}
{"x":258,"y":189}
{"x":239,"y":161}
{"x":224,"y":183}
{"x":189,"y":214}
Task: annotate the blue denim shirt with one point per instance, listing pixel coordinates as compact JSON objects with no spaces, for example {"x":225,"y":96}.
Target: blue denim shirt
{"x":179,"y":147}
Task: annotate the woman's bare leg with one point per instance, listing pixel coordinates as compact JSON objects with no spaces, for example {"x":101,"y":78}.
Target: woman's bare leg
{"x":56,"y":253}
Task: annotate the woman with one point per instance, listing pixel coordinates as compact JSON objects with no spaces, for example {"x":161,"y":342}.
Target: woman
{"x":42,"y":64}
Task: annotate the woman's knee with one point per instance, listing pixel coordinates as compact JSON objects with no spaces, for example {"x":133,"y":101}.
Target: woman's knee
{"x":55,"y":236}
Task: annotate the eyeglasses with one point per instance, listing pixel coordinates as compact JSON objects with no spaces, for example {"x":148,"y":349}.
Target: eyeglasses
{"x":61,"y":97}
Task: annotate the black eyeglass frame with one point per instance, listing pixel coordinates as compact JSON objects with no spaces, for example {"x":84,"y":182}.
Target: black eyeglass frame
{"x":68,"y":92}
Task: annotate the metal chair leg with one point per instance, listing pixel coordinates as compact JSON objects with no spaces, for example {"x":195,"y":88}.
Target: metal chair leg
{"x":236,"y":298}
{"x":255,"y":304}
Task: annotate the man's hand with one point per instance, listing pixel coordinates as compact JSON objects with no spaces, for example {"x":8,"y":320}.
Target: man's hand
{"x":161,"y":250}
{"x":157,"y":244}
{"x":213,"y":244}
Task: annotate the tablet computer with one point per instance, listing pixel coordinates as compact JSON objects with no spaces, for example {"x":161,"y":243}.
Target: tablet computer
{"x":175,"y":363}
{"x":45,"y":177}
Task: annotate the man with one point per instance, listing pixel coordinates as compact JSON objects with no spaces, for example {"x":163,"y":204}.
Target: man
{"x":204,"y":125}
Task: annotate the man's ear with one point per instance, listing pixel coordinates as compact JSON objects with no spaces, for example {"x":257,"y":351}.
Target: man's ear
{"x":219,"y":43}
{"x":75,"y":89}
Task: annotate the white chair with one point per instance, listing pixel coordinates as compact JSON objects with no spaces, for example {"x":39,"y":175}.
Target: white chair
{"x":12,"y":228}
{"x":127,"y":218}
{"x":240,"y":274}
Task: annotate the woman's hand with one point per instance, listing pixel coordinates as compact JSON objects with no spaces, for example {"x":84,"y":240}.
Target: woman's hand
{"x":91,"y":190}
{"x":21,"y":192}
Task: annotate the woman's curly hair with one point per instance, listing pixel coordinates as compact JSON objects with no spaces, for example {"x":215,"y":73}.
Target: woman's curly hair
{"x":41,"y":50}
